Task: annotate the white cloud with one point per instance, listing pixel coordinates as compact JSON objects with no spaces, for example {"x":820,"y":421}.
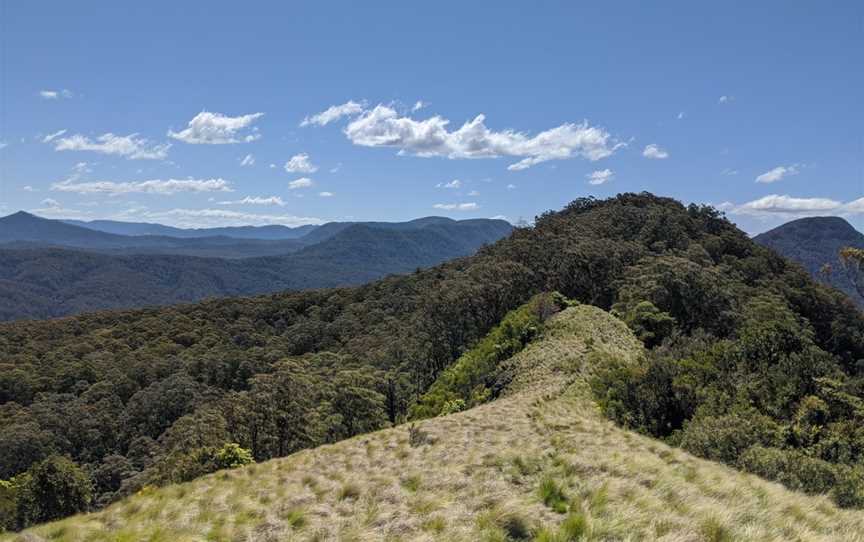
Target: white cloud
{"x":600,"y":176}
{"x":55,"y":94}
{"x":474,"y":193}
{"x":680,"y":115}
{"x":217,"y":129}
{"x":29,"y":188}
{"x":725,"y":99}
{"x":418,"y":105}
{"x":247,"y":160}
{"x":202,"y":218}
{"x":255,"y":200}
{"x":300,"y":163}
{"x":161,"y":187}
{"x":455,"y":183}
{"x":655,"y":152}
{"x":384,"y":127}
{"x":333,"y":113}
{"x":326,"y":194}
{"x":50,"y":202}
{"x":3,"y":144}
{"x":302,"y":182}
{"x":777,"y":173}
{"x":729,"y":172}
{"x":470,"y":206}
{"x":131,"y":146}
{"x":788,"y":205}
{"x":50,"y":137}
{"x":511,"y":186}
{"x":855,"y":207}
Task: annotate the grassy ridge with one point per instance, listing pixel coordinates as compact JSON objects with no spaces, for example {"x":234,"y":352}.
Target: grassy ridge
{"x":538,"y":463}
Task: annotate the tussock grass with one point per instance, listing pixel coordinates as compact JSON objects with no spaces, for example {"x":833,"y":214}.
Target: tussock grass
{"x":480,"y":475}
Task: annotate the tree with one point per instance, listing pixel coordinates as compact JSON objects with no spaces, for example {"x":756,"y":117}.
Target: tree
{"x":52,"y":489}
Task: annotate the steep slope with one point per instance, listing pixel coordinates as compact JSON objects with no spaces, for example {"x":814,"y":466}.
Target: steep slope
{"x":538,"y":463}
{"x":813,"y":243}
{"x":44,"y":283}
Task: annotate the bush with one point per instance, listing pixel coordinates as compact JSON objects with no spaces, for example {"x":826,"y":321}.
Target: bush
{"x":849,"y":489}
{"x":725,"y":438}
{"x":231,"y":456}
{"x":791,"y":468}
{"x":52,"y":489}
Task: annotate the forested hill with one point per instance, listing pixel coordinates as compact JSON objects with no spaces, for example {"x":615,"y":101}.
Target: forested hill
{"x":815,"y":242}
{"x":140,"y":397}
{"x":50,"y":282}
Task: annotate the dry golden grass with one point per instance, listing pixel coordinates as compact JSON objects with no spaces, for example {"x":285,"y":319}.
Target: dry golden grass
{"x":540,"y":463}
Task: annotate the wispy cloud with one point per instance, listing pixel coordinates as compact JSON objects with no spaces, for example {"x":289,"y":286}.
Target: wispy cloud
{"x":777,"y":173}
{"x":333,"y":113}
{"x":51,"y":137}
{"x":455,"y":183}
{"x":655,"y":152}
{"x":202,"y":218}
{"x":326,"y":194}
{"x":208,"y":128}
{"x":788,"y":207}
{"x":302,"y":182}
{"x":300,"y":163}
{"x":55,"y":94}
{"x":131,"y":146}
{"x":247,"y":161}
{"x":600,"y":176}
{"x":726,"y":99}
{"x":156,"y":186}
{"x":255,"y":200}
{"x":383,"y":126}
{"x":469,"y":206}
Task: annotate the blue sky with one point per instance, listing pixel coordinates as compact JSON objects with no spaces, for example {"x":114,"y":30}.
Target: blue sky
{"x":146,"y":111}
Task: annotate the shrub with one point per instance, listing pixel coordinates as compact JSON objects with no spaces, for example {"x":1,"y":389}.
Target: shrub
{"x":848,"y":492}
{"x":52,"y":489}
{"x":231,"y":456}
{"x":789,"y":467}
{"x":725,"y":438}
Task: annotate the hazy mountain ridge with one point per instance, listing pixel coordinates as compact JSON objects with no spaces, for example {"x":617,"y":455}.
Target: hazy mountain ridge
{"x":50,"y":282}
{"x":814,"y":242}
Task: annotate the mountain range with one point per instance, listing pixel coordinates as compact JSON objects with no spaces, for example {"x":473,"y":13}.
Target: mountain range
{"x":815,"y":243}
{"x":50,"y":268}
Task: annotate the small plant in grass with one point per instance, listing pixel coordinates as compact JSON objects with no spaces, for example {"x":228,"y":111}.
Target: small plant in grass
{"x":553,"y":495}
{"x":294,"y":517}
{"x":435,"y":524}
{"x":348,"y":491}
{"x":411,"y":483}
{"x":573,"y":527}
{"x":714,"y":531}
{"x":416,"y":436}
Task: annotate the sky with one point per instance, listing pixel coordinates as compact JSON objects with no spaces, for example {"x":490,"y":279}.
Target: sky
{"x":198,"y":114}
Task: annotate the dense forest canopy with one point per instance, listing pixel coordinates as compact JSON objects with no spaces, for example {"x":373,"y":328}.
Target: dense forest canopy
{"x":145,"y":397}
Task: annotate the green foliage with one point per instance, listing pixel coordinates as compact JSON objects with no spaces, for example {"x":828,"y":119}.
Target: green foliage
{"x":553,"y":495}
{"x":791,"y":468}
{"x":231,"y":456}
{"x":649,"y":324}
{"x":849,"y":489}
{"x":471,"y":379}
{"x":8,"y":505}
{"x":51,"y":489}
{"x":724,"y":438}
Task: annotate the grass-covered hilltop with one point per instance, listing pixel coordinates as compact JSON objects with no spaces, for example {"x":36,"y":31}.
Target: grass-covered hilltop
{"x":626,"y":369}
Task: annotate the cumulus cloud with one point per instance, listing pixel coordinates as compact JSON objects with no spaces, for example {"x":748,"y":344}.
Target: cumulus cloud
{"x":255,"y":200}
{"x":382,"y":126}
{"x":302,"y":182}
{"x":333,"y":113}
{"x":777,"y":173}
{"x":470,"y":206}
{"x":131,"y":147}
{"x":326,"y":194}
{"x":455,"y":183}
{"x":208,"y":128}
{"x":600,"y":176}
{"x":655,"y":152}
{"x":55,"y":94}
{"x":51,"y":137}
{"x":50,"y":202}
{"x":161,"y":187}
{"x":247,"y":160}
{"x":300,"y":163}
{"x":29,"y":188}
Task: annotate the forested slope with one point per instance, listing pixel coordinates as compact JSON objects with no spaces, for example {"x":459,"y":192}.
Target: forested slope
{"x":136,"y":397}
